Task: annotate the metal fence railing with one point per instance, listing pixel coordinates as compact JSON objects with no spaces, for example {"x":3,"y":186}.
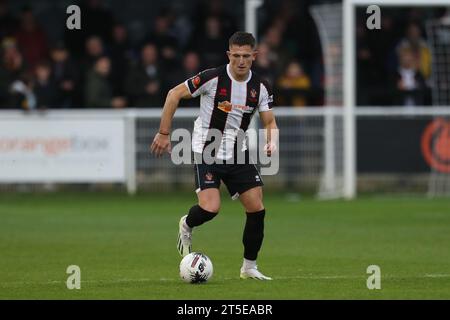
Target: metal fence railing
{"x":392,"y":152}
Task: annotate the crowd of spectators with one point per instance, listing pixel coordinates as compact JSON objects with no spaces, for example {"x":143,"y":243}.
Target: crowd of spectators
{"x":394,"y":64}
{"x":100,"y":67}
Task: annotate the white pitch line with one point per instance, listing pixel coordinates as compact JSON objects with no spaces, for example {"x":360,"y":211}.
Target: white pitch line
{"x":169,"y":280}
{"x":305,"y":277}
{"x":12,"y":283}
{"x":437,"y":276}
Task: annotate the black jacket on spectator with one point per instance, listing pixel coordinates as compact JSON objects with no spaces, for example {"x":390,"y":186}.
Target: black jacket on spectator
{"x":120,"y":63}
{"x":97,"y":91}
{"x":137,"y":82}
{"x":62,"y":72}
{"x":46,"y":95}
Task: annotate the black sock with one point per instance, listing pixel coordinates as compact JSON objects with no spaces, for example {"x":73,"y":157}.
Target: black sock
{"x":253,"y":234}
{"x":198,"y":216}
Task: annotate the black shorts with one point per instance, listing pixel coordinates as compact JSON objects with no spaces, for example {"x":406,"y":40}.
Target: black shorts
{"x":237,"y":177}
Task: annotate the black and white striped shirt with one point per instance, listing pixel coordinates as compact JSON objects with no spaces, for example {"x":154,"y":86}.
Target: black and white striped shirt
{"x":226,"y":105}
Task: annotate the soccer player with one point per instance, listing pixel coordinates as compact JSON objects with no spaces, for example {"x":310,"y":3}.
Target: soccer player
{"x":229,"y":96}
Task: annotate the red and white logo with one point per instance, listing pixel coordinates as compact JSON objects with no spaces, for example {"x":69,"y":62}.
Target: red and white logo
{"x":253,"y":93}
{"x":196,"y":81}
{"x":436,"y":145}
{"x":225,"y":106}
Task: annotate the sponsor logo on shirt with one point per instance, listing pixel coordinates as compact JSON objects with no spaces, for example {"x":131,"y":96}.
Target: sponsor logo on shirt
{"x":227,"y":107}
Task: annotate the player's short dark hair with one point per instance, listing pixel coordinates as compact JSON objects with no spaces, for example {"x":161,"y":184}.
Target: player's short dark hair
{"x":241,"y":38}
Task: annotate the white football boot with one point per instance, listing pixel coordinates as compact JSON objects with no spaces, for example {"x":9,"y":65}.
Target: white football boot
{"x":184,"y":242}
{"x":253,"y":273}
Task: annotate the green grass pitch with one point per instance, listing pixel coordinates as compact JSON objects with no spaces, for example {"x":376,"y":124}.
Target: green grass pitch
{"x":126,"y":247}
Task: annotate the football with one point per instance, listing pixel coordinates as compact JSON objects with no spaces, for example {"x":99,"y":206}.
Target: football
{"x":196,"y":268}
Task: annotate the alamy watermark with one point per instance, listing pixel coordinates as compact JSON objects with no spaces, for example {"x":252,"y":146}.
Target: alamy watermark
{"x":374,"y":280}
{"x":217,"y":147}
{"x":73,"y":22}
{"x":374,"y":20}
{"x":74,"y":278}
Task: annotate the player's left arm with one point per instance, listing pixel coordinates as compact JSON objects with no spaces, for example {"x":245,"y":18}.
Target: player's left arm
{"x":271,"y":130}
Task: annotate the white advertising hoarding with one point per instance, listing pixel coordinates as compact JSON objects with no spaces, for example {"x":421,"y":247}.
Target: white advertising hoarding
{"x":59,"y":150}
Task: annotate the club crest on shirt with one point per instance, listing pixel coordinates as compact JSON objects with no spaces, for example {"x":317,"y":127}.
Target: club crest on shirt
{"x":196,"y":81}
{"x":253,"y":93}
{"x":208,"y":176}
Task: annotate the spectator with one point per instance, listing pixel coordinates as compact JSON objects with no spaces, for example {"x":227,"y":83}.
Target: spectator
{"x":265,"y":63}
{"x":94,"y":49}
{"x":164,"y":41}
{"x":420,"y":50}
{"x":182,"y":27}
{"x":408,"y":81}
{"x":191,"y":67}
{"x":215,"y":8}
{"x":294,"y":85}
{"x":11,"y":69}
{"x":274,"y":39}
{"x":22,"y":94}
{"x":191,"y":64}
{"x":65,"y":76}
{"x":144,"y":84}
{"x":121,"y":57}
{"x":211,"y":43}
{"x":31,"y":38}
{"x":98,"y":90}
{"x":44,"y":87}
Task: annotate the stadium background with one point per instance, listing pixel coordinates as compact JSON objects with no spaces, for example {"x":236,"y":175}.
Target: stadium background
{"x":129,"y":56}
{"x":48,"y":73}
{"x":191,"y":36}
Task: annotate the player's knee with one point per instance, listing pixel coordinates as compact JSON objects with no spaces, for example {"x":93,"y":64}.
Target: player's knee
{"x":210,"y":205}
{"x":254,"y":207}
{"x":209,"y":200}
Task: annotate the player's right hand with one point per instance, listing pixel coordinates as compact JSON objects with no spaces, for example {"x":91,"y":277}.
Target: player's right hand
{"x":160,"y":144}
